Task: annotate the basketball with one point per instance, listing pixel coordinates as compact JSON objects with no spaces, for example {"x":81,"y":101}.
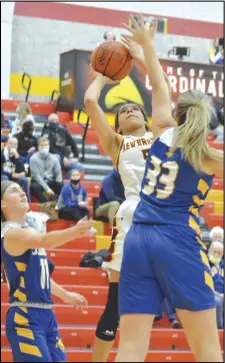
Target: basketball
{"x":112,"y":59}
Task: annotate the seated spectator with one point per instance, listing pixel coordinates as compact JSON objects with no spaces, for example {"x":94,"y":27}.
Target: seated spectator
{"x":216,"y":55}
{"x":12,"y":167}
{"x":171,"y":314}
{"x":215,"y":255}
{"x":27,"y":142}
{"x":111,"y":196}
{"x":62,"y":144}
{"x":216,"y":234}
{"x":46,"y":173}
{"x":23,"y":110}
{"x":72,"y":203}
{"x":217,"y":120}
{"x":6,"y":126}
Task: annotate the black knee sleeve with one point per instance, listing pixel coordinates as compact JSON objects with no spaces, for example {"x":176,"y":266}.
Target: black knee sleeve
{"x":109,"y":321}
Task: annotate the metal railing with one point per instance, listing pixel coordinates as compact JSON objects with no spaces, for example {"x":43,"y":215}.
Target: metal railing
{"x":85,"y":127}
{"x":53,"y":94}
{"x":27,"y":88}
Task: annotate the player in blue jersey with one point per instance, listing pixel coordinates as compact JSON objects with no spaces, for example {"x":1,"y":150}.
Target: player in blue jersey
{"x":164,"y":255}
{"x":31,"y":326}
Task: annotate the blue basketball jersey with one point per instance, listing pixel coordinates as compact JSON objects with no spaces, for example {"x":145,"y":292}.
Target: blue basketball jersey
{"x":27,"y":275}
{"x":172,"y":191}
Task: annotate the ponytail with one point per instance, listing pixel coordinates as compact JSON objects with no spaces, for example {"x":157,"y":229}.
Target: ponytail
{"x":194,"y":112}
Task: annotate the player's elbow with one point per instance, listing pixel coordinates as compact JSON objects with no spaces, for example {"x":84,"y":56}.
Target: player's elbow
{"x":89,"y":101}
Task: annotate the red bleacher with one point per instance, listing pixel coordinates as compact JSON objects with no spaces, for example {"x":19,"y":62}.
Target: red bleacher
{"x":78,"y":327}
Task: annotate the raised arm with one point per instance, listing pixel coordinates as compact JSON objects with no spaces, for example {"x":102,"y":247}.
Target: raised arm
{"x":135,"y":52}
{"x":109,"y":139}
{"x":161,"y":103}
{"x":18,"y":240}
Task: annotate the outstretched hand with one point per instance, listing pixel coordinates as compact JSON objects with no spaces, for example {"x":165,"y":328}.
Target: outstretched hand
{"x":134,"y":48}
{"x":140,"y":34}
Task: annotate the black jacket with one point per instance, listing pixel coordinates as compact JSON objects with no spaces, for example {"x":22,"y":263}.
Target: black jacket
{"x":61,"y":141}
{"x":11,"y":166}
{"x":25,"y":145}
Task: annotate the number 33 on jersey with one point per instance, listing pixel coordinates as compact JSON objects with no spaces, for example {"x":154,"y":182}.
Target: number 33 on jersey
{"x":172,"y":191}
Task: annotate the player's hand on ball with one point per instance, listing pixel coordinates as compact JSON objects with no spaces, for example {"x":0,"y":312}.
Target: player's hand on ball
{"x":140,"y":34}
{"x":133,"y":47}
{"x":72,"y":298}
{"x":103,"y":79}
{"x":83,"y":227}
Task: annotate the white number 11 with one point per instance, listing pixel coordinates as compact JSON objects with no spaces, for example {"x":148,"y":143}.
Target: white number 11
{"x":44,"y":273}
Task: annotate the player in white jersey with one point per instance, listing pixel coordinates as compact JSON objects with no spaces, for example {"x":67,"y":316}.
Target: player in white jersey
{"x":128,"y":148}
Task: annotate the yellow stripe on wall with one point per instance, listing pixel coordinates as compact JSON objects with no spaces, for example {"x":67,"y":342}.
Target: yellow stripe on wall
{"x":30,"y":349}
{"x":41,"y":85}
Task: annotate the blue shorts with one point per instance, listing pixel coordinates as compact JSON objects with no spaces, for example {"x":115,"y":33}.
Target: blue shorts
{"x":164,"y":261}
{"x":33,"y":335}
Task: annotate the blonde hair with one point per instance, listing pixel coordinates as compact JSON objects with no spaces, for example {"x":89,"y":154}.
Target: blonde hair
{"x":43,"y":139}
{"x":194,"y":112}
{"x":23,"y":110}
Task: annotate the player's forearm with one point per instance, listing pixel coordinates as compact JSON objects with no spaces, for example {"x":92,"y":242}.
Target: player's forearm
{"x":58,"y":290}
{"x":154,"y":69}
{"x":140,"y":60}
{"x":57,"y":238}
{"x":94,"y":91}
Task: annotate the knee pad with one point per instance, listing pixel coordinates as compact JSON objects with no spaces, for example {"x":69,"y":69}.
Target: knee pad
{"x":109,"y":321}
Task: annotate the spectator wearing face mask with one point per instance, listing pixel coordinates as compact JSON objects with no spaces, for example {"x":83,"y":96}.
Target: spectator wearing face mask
{"x":12,"y":167}
{"x":62,"y":144}
{"x":215,"y":255}
{"x":27,"y":142}
{"x":23,"y":110}
{"x":216,"y":234}
{"x":72,"y":203}
{"x":46,"y":173}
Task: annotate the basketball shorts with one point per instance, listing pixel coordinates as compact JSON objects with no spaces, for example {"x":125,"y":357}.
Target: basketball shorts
{"x":164,"y":261}
{"x":121,"y":225}
{"x":33,"y":335}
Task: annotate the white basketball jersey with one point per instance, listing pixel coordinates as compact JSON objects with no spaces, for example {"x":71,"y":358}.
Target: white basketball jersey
{"x":131,"y":163}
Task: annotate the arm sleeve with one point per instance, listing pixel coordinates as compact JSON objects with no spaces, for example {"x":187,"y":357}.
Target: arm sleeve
{"x":35,"y":174}
{"x":58,"y":171}
{"x":67,"y":199}
{"x":84,"y":194}
{"x":72,"y":143}
{"x":19,"y":166}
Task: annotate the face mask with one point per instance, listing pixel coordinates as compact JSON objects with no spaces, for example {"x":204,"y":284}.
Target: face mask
{"x":44,"y":152}
{"x":215,"y":260}
{"x":28,"y":130}
{"x":53,"y":126}
{"x":75,"y":182}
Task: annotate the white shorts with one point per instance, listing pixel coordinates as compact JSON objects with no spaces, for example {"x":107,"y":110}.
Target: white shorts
{"x":121,"y":225}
